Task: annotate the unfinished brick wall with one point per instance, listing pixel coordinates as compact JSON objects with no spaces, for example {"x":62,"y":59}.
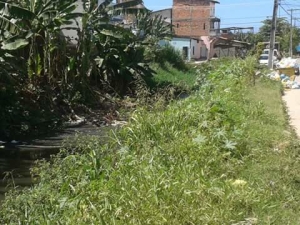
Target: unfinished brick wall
{"x":191,"y":17}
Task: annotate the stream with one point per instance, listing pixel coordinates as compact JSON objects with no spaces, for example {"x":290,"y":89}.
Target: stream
{"x":17,"y":159}
{"x":14,"y":172}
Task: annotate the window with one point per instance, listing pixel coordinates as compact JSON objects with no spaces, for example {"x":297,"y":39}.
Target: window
{"x":193,"y":50}
{"x":212,"y":11}
{"x":177,"y":25}
{"x":264,"y":57}
{"x":204,"y":26}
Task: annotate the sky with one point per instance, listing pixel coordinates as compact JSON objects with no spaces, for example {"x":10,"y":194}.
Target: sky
{"x":241,"y":13}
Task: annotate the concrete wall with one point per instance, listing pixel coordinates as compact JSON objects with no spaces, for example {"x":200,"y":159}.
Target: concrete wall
{"x":181,"y":43}
{"x":165,"y":13}
{"x":207,"y":48}
{"x":225,"y":52}
{"x":195,"y":49}
{"x":192,"y":46}
{"x":72,"y":34}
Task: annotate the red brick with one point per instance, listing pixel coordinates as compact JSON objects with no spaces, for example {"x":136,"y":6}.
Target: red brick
{"x":191,"y":17}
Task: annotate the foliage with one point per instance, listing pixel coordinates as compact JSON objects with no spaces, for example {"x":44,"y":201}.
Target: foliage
{"x":169,"y":75}
{"x":55,"y":72}
{"x":217,"y":157}
{"x":169,"y":55}
{"x":152,"y":30}
{"x":283,"y":31}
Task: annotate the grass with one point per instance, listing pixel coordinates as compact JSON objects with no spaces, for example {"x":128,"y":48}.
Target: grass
{"x":225,"y":155}
{"x":168,"y":75}
{"x":166,"y":84}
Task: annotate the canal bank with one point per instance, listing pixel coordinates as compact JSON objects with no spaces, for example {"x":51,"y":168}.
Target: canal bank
{"x":17,"y":158}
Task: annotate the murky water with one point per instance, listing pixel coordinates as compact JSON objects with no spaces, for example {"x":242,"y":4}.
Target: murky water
{"x":16,"y":160}
{"x":14,"y":172}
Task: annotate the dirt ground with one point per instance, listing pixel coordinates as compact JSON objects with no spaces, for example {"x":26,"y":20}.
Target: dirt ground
{"x":292,"y":99}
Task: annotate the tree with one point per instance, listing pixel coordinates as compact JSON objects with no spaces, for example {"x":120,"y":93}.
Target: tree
{"x":54,"y":75}
{"x":283,"y":31}
{"x":153,"y":29}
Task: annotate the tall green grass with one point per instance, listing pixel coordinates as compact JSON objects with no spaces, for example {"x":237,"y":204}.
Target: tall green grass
{"x":225,"y":155}
{"x":167,"y":75}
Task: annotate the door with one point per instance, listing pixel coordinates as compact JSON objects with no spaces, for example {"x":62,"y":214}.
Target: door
{"x":185,"y":53}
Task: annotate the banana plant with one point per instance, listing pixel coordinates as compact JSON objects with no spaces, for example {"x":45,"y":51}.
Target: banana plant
{"x":102,"y":45}
{"x":120,"y":59}
{"x":152,"y":29}
{"x":35,"y":23}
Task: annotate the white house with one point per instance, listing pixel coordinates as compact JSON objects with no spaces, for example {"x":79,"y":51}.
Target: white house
{"x":190,"y":48}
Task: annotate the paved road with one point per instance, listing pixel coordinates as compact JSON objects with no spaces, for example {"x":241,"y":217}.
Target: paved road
{"x":292,"y":99}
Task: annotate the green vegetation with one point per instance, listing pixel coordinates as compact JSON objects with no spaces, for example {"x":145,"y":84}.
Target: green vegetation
{"x":222,"y":156}
{"x":283,"y":33}
{"x":45,"y":74}
{"x":167,"y":75}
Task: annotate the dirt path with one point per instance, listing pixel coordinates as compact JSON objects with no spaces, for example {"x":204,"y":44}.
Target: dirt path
{"x":292,"y":99}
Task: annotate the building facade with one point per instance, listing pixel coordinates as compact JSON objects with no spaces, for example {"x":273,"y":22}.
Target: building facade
{"x":190,"y":48}
{"x":195,"y":18}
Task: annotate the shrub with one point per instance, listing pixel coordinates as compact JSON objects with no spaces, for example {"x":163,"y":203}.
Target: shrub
{"x":195,"y":162}
{"x":169,"y":54}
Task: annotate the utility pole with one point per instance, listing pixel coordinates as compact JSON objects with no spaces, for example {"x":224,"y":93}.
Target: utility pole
{"x":291,"y":35}
{"x":273,"y":33}
{"x":292,"y":31}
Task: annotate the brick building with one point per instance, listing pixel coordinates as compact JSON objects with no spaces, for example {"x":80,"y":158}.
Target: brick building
{"x":195,"y":18}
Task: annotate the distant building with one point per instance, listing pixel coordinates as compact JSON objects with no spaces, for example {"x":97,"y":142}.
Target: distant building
{"x":72,"y":34}
{"x":190,"y":48}
{"x":165,"y":13}
{"x":130,"y":15}
{"x":195,"y":18}
{"x":127,"y":19}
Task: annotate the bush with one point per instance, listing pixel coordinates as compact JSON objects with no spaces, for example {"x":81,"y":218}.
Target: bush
{"x":169,"y":54}
{"x":196,"y":162}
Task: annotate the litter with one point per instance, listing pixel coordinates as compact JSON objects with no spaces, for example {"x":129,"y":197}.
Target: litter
{"x":288,"y":63}
{"x":118,"y":123}
{"x":287,"y":81}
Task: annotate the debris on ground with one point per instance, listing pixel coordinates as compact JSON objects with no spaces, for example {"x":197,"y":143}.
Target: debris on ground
{"x":116,"y":123}
{"x":286,"y":71}
{"x":288,"y":63}
{"x":286,"y":80}
{"x":75,"y":121}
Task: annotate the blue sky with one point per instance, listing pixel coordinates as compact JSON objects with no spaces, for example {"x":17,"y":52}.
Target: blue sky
{"x":239,"y":13}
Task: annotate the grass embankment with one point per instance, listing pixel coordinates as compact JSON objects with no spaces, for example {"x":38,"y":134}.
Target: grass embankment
{"x":222,"y":156}
{"x":168,"y":75}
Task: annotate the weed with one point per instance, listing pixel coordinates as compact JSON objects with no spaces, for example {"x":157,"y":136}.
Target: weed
{"x":207,"y":159}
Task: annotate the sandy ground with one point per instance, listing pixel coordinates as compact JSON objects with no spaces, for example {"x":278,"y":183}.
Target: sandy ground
{"x":292,"y":99}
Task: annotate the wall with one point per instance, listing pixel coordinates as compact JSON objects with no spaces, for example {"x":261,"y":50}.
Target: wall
{"x":193,"y":46}
{"x":225,"y":52}
{"x":208,"y":49}
{"x":165,"y":13}
{"x":195,"y":49}
{"x":192,"y":17}
{"x":179,"y":44}
{"x":72,"y":34}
